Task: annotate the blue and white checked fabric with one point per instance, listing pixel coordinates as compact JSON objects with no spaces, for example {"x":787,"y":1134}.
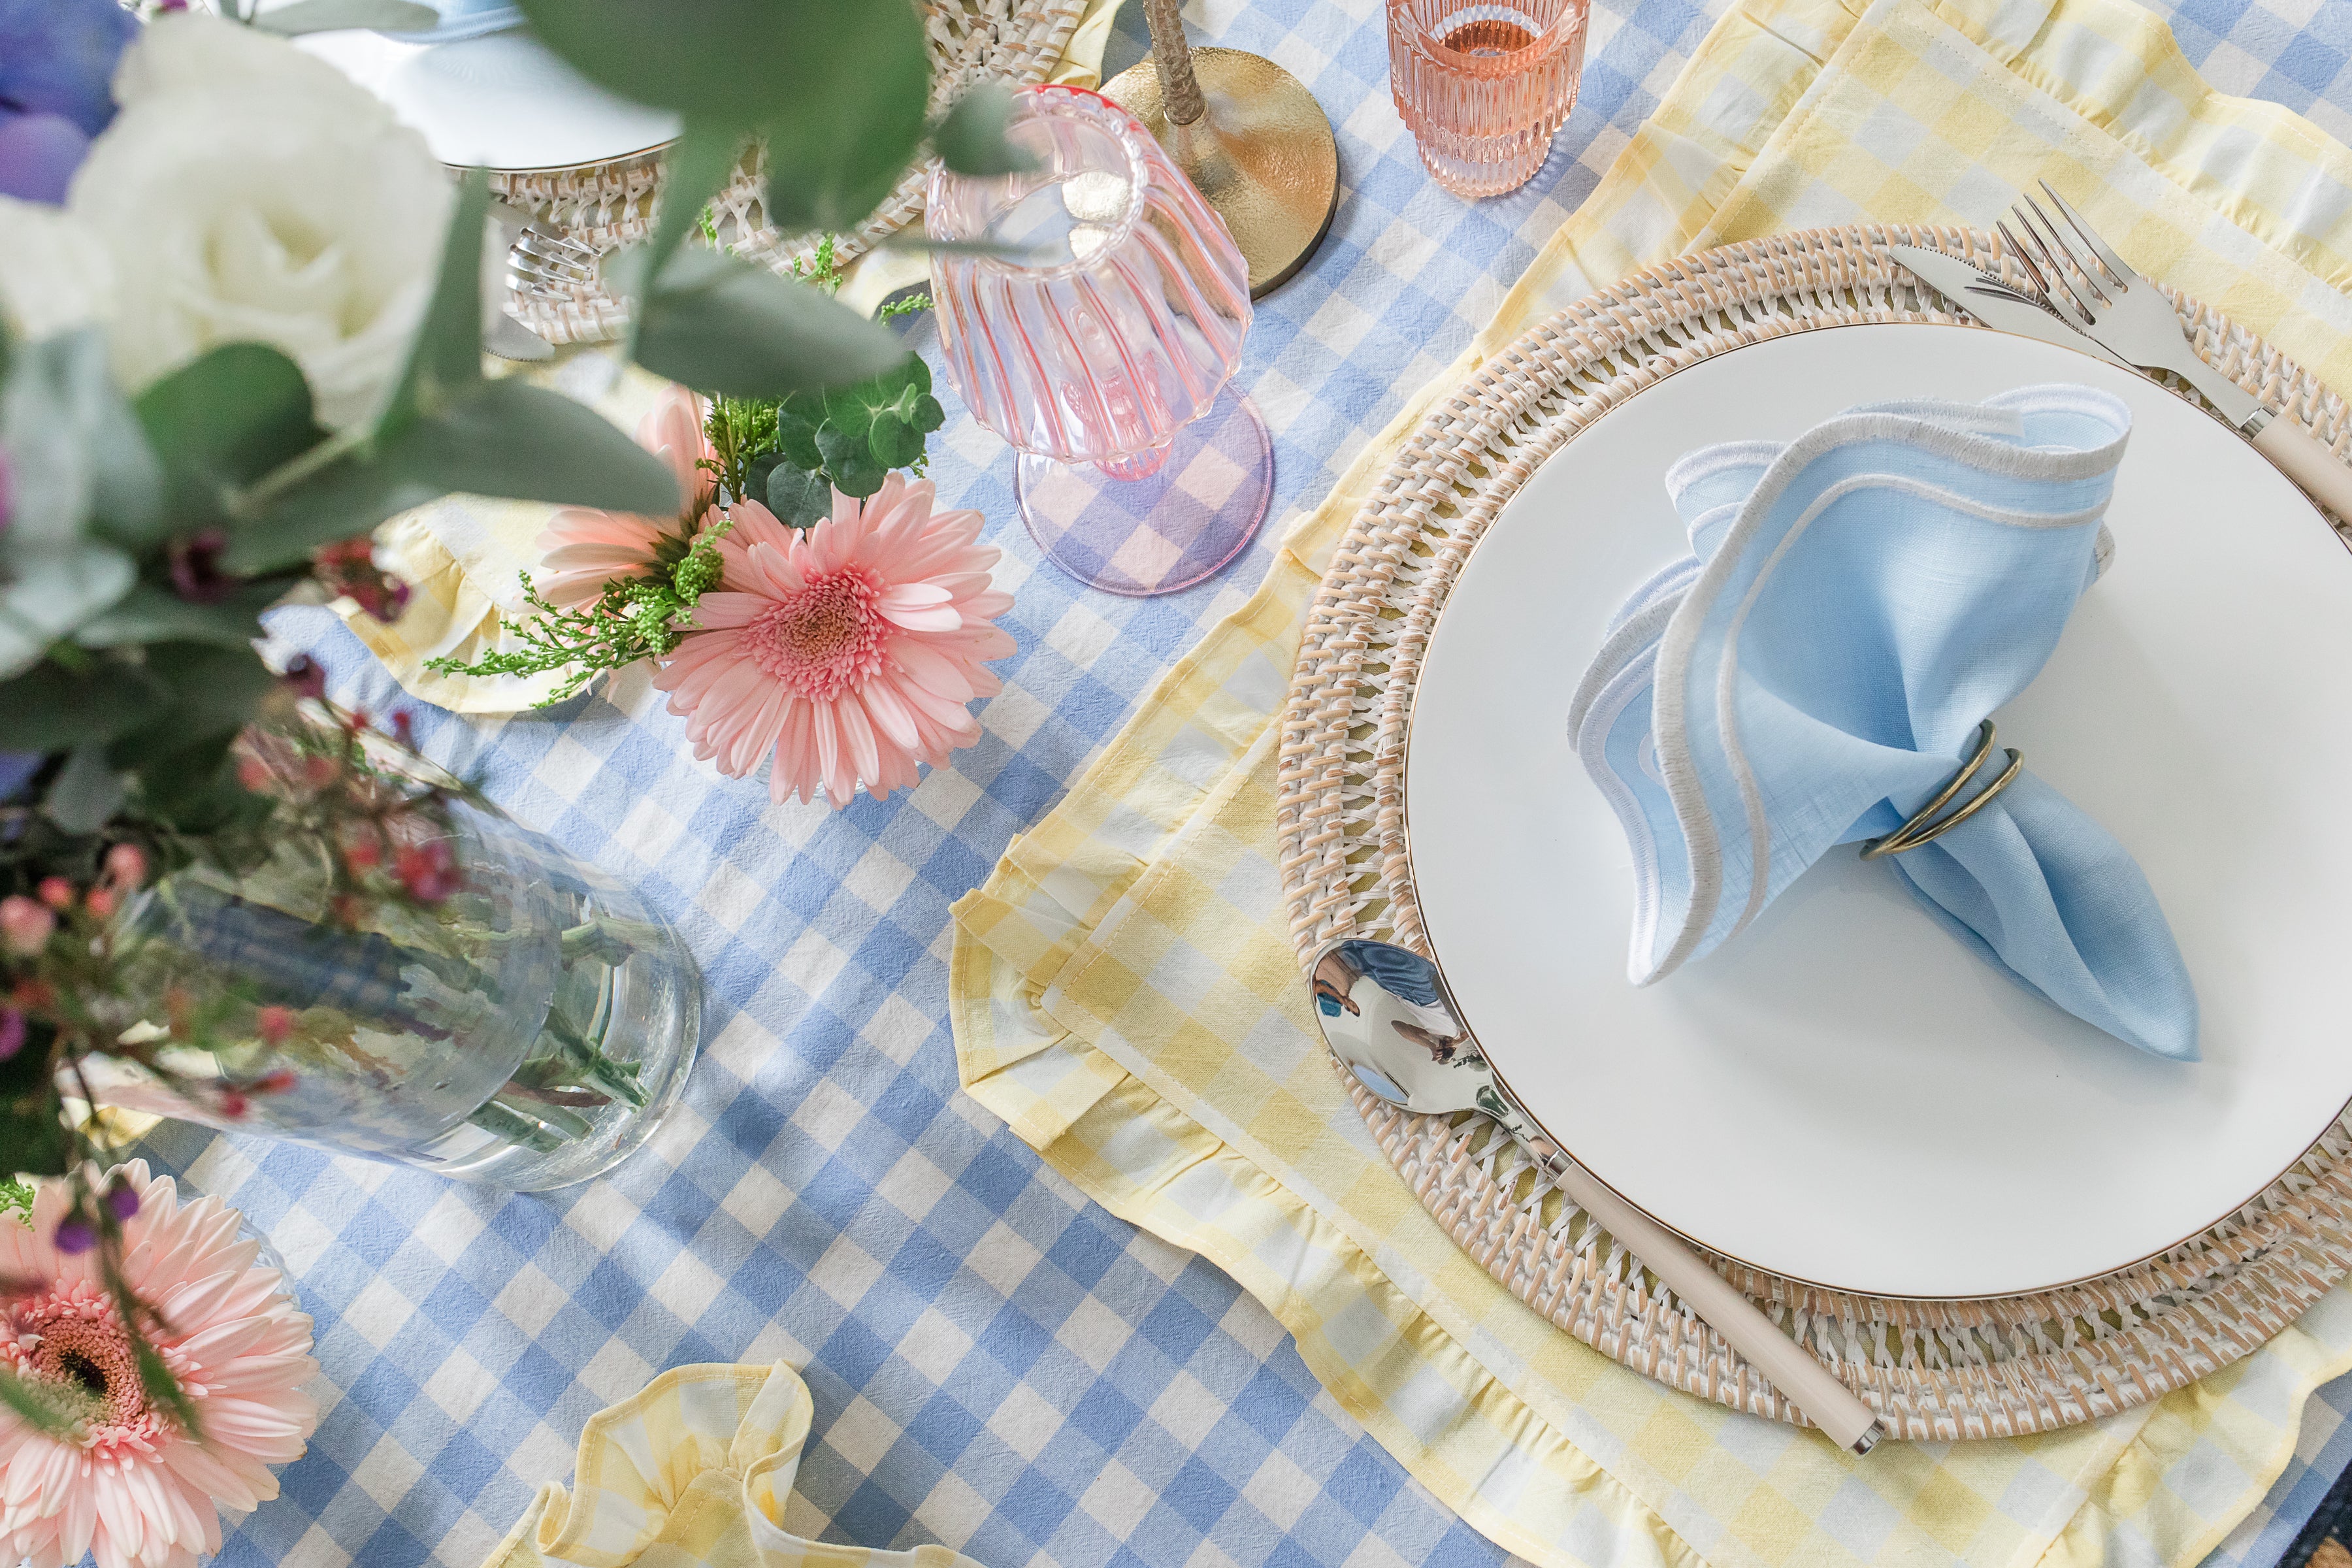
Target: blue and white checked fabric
{"x":997,"y":1365}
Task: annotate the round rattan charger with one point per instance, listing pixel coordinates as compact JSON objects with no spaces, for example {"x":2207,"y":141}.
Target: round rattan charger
{"x":1934,"y":1370}
{"x":606,"y":205}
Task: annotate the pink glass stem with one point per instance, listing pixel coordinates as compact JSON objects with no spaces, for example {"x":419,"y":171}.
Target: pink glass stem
{"x":1100,"y":345}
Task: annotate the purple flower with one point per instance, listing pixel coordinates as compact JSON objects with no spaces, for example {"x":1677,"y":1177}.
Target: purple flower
{"x":12,"y":1032}
{"x":75,"y":1235}
{"x":16,"y":771}
{"x":194,"y":565}
{"x":57,"y":70}
{"x":120,"y":1201}
{"x":304,"y":673}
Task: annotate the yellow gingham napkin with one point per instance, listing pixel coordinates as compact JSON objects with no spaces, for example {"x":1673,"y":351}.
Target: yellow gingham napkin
{"x":1125,"y":993}
{"x":462,"y":556}
{"x":696,"y":1468}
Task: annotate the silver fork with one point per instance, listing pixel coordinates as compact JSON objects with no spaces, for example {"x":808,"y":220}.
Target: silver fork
{"x":549,"y":267}
{"x":2107,"y":300}
{"x":538,"y":264}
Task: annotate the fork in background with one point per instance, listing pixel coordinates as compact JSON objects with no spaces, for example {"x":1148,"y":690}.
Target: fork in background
{"x":2096,"y":291}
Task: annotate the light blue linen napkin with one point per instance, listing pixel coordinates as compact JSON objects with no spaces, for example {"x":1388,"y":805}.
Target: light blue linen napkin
{"x":465,"y":19}
{"x":1856,"y":603}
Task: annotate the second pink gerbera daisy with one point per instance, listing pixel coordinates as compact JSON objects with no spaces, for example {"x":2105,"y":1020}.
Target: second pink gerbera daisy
{"x":844,"y":654}
{"x":583,"y":548}
{"x":127,"y":1485}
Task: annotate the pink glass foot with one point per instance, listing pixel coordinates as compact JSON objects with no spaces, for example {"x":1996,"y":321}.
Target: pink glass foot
{"x":1166,"y":529}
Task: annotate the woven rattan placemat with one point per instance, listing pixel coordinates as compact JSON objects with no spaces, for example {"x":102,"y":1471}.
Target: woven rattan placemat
{"x":1935,"y":1370}
{"x":606,"y":205}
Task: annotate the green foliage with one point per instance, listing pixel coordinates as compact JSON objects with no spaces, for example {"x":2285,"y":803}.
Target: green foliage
{"x":969,"y":139}
{"x":32,"y":1131}
{"x":722,"y":324}
{"x":140,"y":544}
{"x":837,"y":91}
{"x":16,"y":1196}
{"x":152,"y":613}
{"x":220,"y":423}
{"x":798,"y":496}
{"x":70,"y":698}
{"x":794,"y":451}
{"x":635,"y":618}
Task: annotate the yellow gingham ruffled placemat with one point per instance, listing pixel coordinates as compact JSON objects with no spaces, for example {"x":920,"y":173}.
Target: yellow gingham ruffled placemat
{"x":1124,"y":990}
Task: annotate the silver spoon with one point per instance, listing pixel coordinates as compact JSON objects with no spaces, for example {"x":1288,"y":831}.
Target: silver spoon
{"x":1386,"y":1014}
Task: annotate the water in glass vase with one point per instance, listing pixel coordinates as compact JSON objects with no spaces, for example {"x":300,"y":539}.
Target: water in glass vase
{"x":525,"y":1031}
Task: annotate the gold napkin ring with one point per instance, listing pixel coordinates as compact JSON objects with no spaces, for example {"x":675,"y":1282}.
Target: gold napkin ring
{"x":1920,"y":829}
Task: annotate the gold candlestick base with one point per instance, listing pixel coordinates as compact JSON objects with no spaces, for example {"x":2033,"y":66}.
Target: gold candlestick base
{"x":1263,"y":154}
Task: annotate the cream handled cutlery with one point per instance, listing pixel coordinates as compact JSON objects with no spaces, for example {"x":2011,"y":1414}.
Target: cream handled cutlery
{"x":1385,"y":1013}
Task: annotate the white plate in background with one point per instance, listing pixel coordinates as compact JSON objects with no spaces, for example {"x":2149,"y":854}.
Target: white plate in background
{"x":503,"y":100}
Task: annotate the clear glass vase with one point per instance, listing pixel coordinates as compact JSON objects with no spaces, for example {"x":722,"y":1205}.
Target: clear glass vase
{"x":527,"y":1030}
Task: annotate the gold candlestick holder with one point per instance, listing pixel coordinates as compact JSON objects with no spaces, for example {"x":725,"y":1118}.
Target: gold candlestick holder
{"x":1247,"y":133}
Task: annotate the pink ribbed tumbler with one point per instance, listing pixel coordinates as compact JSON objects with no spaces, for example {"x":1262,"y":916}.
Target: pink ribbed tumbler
{"x":1100,"y":341}
{"x":1483,"y":86}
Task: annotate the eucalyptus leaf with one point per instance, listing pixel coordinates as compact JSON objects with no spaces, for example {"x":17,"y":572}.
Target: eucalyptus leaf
{"x":510,"y":438}
{"x":152,"y":613}
{"x":212,"y":693}
{"x":697,"y":169}
{"x":895,"y":443}
{"x":193,"y":788}
{"x":343,"y":501}
{"x":971,"y":137}
{"x":221,"y":422}
{"x":46,"y":593}
{"x":86,"y":793}
{"x":326,"y":16}
{"x":725,"y":325}
{"x":32,"y":1132}
{"x":798,"y":497}
{"x":445,"y":359}
{"x":796,"y":433}
{"x":835,"y":149}
{"x":78,"y":465}
{"x":507,"y":438}
{"x":50,"y":708}
{"x":742,"y":62}
{"x":886,"y":412}
{"x":849,"y":459}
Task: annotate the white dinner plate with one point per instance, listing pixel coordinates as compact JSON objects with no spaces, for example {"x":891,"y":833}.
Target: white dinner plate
{"x":501,"y":101}
{"x":1843,"y":1094}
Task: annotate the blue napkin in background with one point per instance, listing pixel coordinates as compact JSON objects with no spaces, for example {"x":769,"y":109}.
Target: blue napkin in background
{"x":1857,"y":602}
{"x":465,"y":19}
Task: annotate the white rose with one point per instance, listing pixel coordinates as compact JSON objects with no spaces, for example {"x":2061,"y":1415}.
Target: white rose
{"x":247,"y":192}
{"x":54,"y":275}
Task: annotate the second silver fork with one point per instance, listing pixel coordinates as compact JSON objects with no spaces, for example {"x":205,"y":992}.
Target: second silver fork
{"x":2099,"y":293}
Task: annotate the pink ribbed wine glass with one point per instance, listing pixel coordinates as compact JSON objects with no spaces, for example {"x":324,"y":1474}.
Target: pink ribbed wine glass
{"x":1100,"y":342}
{"x":1483,"y":86}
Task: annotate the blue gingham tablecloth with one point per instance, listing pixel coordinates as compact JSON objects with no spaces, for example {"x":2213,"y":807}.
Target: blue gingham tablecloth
{"x":997,"y":1365}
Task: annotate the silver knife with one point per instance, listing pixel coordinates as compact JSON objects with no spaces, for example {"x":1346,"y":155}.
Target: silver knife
{"x":1995,"y":303}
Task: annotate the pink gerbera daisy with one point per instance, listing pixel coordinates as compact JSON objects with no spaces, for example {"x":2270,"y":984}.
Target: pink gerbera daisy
{"x":848,"y":650}
{"x":127,"y":1485}
{"x":581,"y":548}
